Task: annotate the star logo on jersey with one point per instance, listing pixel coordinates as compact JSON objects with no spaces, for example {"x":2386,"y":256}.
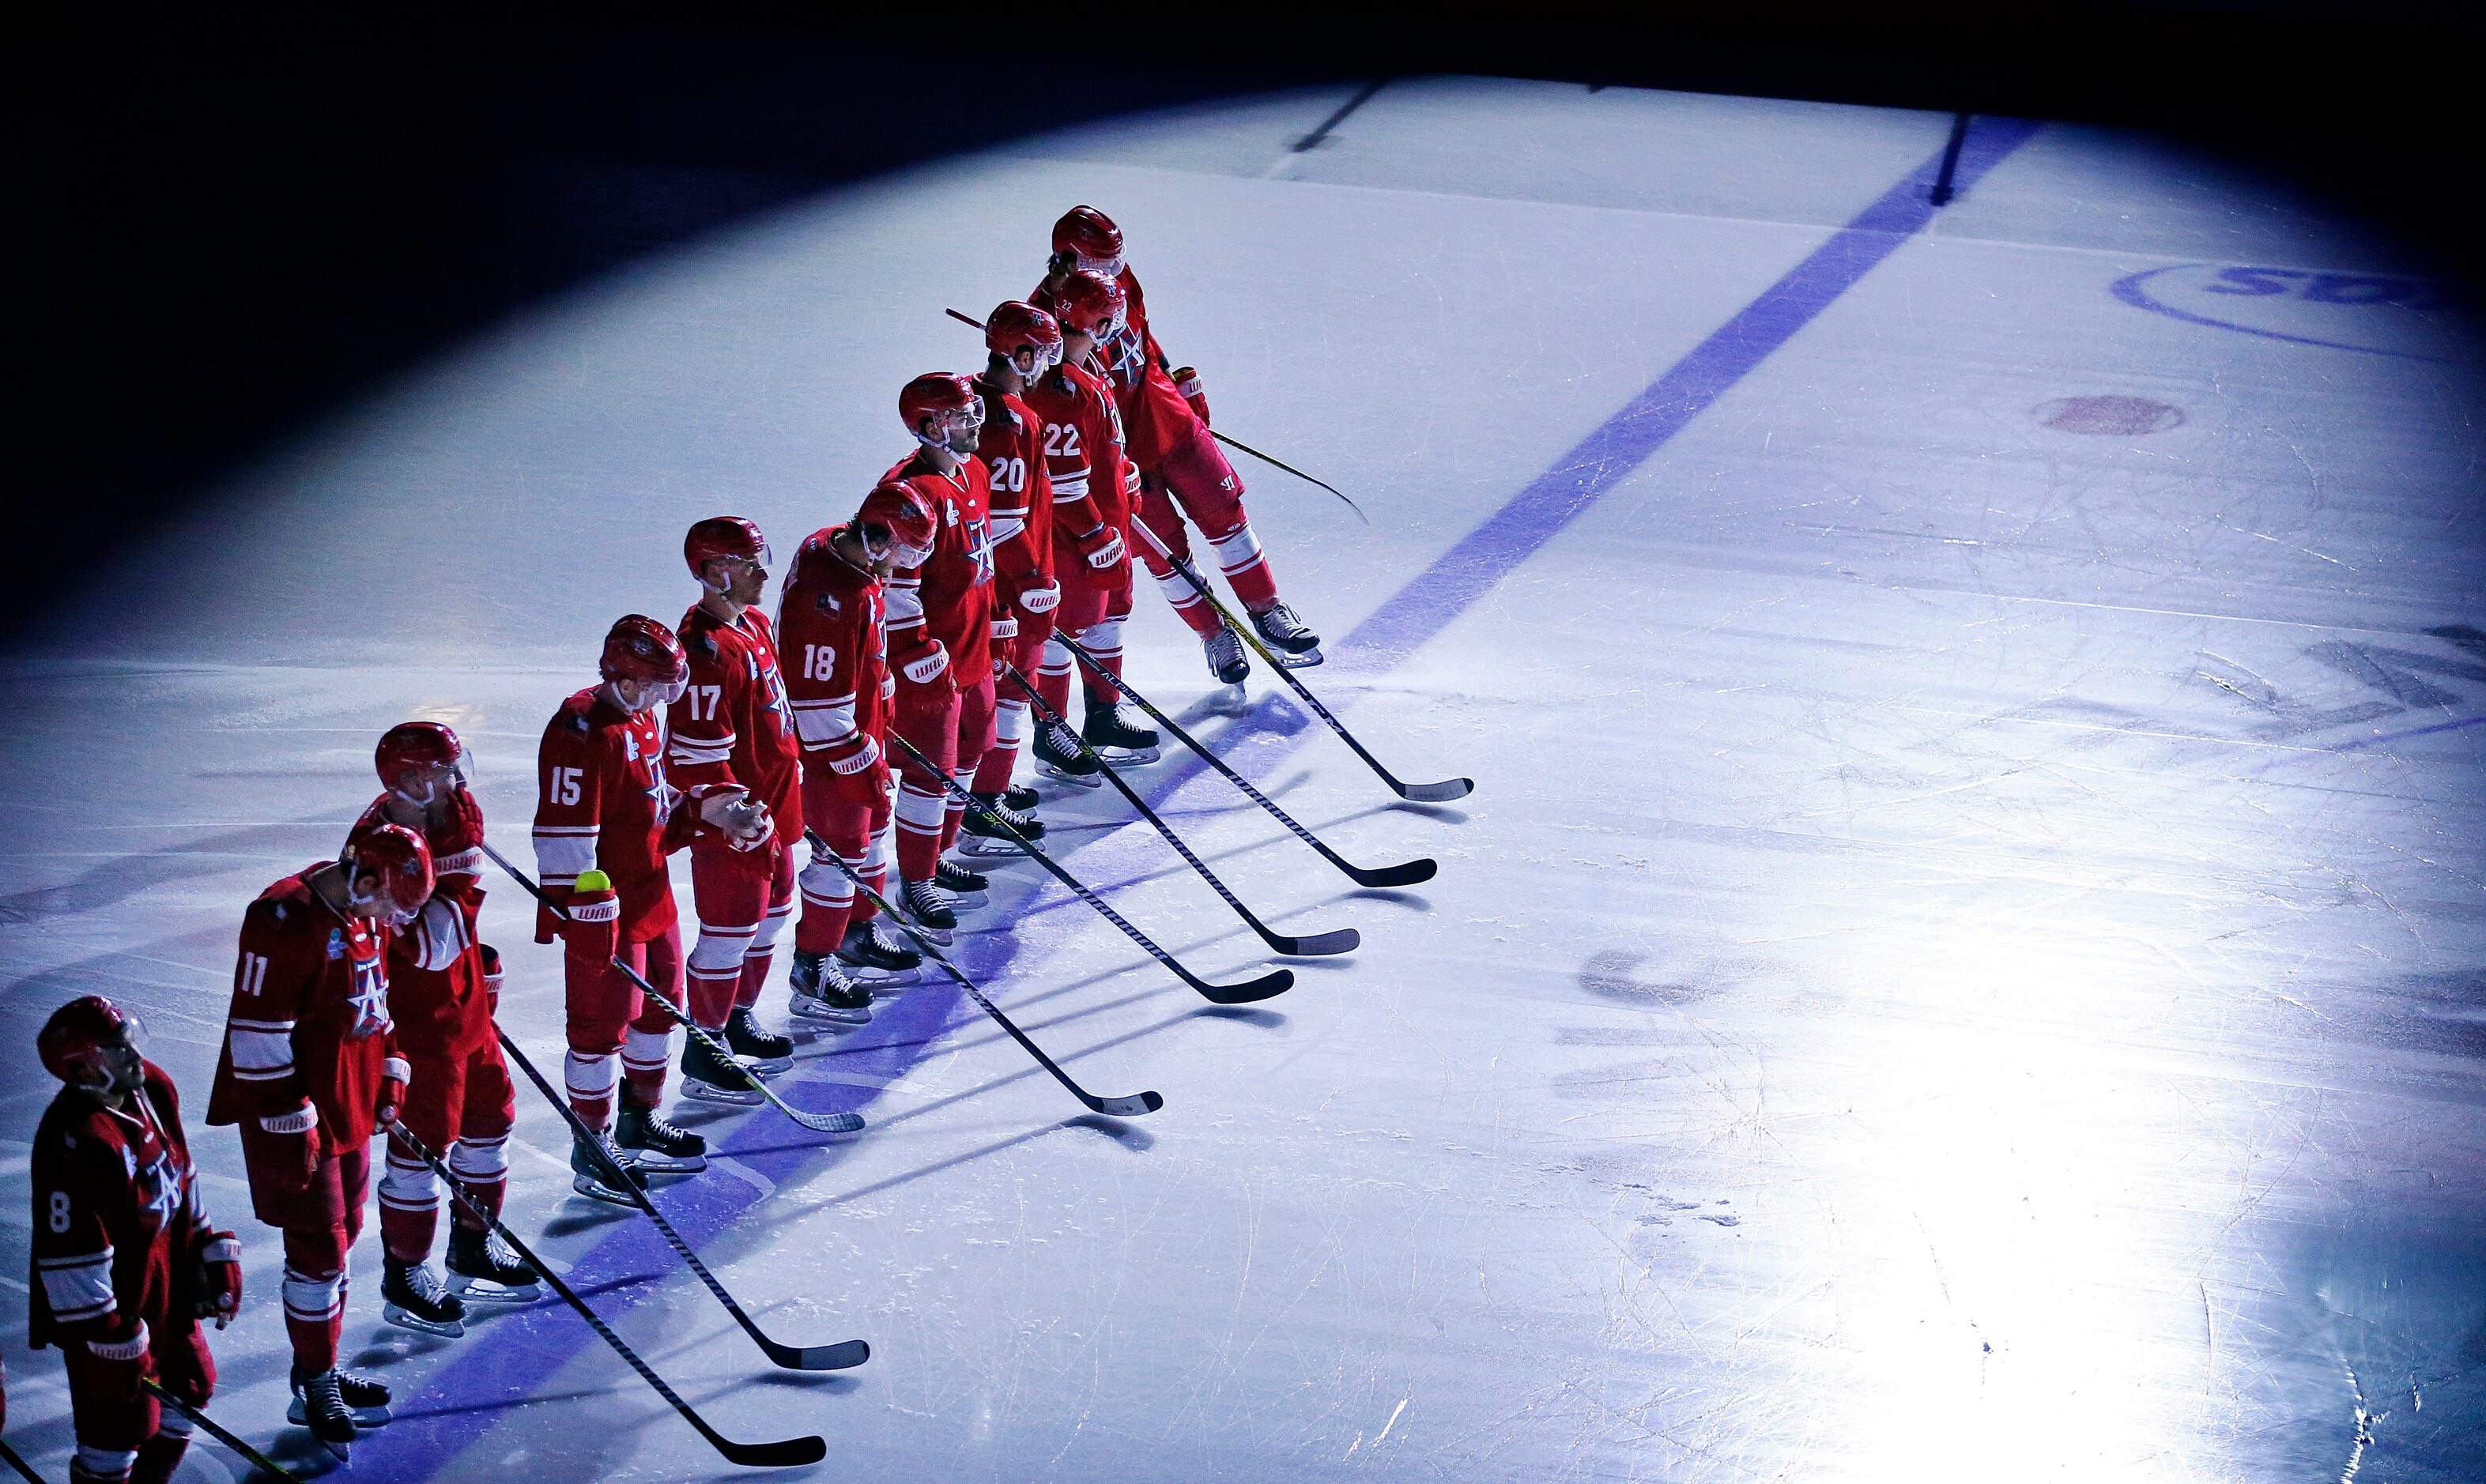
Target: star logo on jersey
{"x":368,"y":995}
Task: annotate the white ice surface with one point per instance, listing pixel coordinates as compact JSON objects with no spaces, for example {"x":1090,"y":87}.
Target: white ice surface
{"x":1938,"y":980}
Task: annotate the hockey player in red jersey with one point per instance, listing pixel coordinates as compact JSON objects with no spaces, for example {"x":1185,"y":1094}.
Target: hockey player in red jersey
{"x":832,"y":618}
{"x":1167,"y":414}
{"x":1085,"y":454}
{"x":940,"y":644}
{"x":126,"y":1263}
{"x":310,"y":1067}
{"x":442,"y":987}
{"x":1025,"y":344}
{"x":730,"y":738}
{"x":605,"y":820}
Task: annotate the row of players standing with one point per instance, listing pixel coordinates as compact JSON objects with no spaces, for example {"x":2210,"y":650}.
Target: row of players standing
{"x":363,"y":995}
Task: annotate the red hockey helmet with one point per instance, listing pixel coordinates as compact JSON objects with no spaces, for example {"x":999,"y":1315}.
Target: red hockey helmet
{"x":944,"y":397}
{"x":1089,"y":236}
{"x":902,"y":514}
{"x":72,"y":1044}
{"x":428,"y":749}
{"x":1018,"y":328}
{"x":723,"y":537}
{"x":403,"y":861}
{"x":639,"y":649}
{"x":1089,"y":305}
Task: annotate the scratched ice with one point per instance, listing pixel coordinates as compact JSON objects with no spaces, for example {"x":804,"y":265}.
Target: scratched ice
{"x":1966,"y":958}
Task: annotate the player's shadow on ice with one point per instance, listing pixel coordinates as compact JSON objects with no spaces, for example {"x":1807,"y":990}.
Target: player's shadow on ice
{"x":1609,"y":976}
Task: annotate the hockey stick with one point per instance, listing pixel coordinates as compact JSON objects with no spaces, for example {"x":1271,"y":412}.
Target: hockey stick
{"x":1275,"y":982}
{"x":807,"y":1358}
{"x":1405,"y":874}
{"x":1319,"y":944}
{"x":28,"y":1470}
{"x":817,"y":1123}
{"x":785,"y":1454}
{"x":1234,"y":443}
{"x":1118,"y":1107}
{"x":253,"y":1456}
{"x":1422,"y":794}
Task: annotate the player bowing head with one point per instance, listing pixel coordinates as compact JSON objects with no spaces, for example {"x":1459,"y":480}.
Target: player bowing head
{"x":643,"y":665}
{"x":383,"y":876}
{"x":94,"y":1046}
{"x":1025,"y":343}
{"x":420,"y":762}
{"x":1089,"y":309}
{"x":890,"y":530}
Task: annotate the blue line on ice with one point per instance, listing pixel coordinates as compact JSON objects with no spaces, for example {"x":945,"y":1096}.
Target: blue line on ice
{"x":510,"y":1357}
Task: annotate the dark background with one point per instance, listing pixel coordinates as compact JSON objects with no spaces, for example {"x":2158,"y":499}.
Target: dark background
{"x":224,"y":224}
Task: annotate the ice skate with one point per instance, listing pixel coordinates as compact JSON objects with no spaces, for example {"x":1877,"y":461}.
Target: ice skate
{"x":762,"y":1049}
{"x":876,"y":957}
{"x":717,"y":1079}
{"x":1057,"y":758}
{"x":655,"y":1146}
{"x":1115,"y":737}
{"x":484,"y":1269}
{"x":823,"y":992}
{"x":594,"y":1177}
{"x":1298,"y":648}
{"x":412,"y":1298}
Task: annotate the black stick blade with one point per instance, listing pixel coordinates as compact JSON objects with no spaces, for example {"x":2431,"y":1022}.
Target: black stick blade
{"x":1126,"y":1107}
{"x":844,"y":1355}
{"x":1406,"y":874}
{"x":1442,"y":792}
{"x":791,"y":1453}
{"x":1267,"y":986}
{"x":827,"y":1123}
{"x":1345,"y":940}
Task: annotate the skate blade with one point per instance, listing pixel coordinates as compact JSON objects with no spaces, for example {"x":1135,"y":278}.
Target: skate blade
{"x":771,"y":1066}
{"x":366,"y":1418}
{"x":1303,"y":661}
{"x":597,"y":1189}
{"x":1127,"y":756}
{"x":939,"y":937}
{"x":484,"y":1290}
{"x":650,"y":1162}
{"x":406,"y":1319}
{"x":711,"y":1092}
{"x":829,"y":1014}
{"x":981,"y":847}
{"x":969,"y":901}
{"x":1074,"y":780}
{"x":883,"y":978}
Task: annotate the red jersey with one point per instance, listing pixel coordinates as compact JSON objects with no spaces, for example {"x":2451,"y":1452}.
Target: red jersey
{"x":950,"y":598}
{"x":438,"y":998}
{"x":1013,"y":452}
{"x":602,"y":803}
{"x":310,"y":1017}
{"x":117,"y":1213}
{"x":834,"y":621}
{"x":1083,"y":454}
{"x":1159,"y":420}
{"x":732,"y":725}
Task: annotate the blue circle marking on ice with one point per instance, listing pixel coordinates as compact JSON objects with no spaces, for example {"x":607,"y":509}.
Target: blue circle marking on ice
{"x":2378,"y":312}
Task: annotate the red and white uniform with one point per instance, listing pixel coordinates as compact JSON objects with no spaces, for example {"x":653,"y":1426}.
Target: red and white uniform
{"x":308,"y":1043}
{"x":733,"y":725}
{"x":602,"y":803}
{"x":946,"y":603}
{"x":120,"y":1230}
{"x":1028,"y":594}
{"x":440,"y":996}
{"x":1180,"y":464}
{"x":1085,"y":460}
{"x":833,"y":620}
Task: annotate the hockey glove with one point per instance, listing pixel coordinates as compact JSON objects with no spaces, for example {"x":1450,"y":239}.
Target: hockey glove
{"x":923,"y":661}
{"x":460,"y":849}
{"x":219,"y":1260}
{"x":1004,"y":627}
{"x":295,"y":1155}
{"x":594,"y":930}
{"x":1040,"y":599}
{"x":491,"y":957}
{"x":395,"y":1074}
{"x":1187,"y":382}
{"x":851,"y":754}
{"x":119,"y":1338}
{"x":1102,"y":547}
